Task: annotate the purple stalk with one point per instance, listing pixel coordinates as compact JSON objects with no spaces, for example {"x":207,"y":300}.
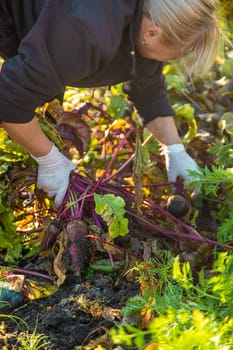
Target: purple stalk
{"x":129,"y":197}
{"x":86,"y":188}
{"x":107,"y":179}
{"x":169,"y":233}
{"x":173,"y":218}
{"x":115,"y":154}
{"x":159,"y":184}
{"x":83,"y":198}
{"x":33,"y":273}
{"x":96,"y":217}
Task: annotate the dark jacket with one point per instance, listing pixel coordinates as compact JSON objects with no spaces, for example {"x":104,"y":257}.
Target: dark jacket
{"x":50,"y":44}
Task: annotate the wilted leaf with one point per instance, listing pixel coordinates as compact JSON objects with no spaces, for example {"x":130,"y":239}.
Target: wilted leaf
{"x":51,"y":132}
{"x":97,"y":309}
{"x":55,"y":109}
{"x":141,"y":158}
{"x":59,"y":269}
{"x":37,"y":290}
{"x":74,"y":250}
{"x":75,"y":130}
{"x":10,"y":280}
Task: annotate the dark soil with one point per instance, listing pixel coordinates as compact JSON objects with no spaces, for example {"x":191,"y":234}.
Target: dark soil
{"x":78,"y":313}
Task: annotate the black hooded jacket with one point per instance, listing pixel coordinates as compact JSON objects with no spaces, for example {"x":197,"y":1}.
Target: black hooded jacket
{"x":49,"y":44}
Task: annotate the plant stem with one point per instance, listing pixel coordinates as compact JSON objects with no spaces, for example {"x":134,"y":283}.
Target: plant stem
{"x":33,"y":273}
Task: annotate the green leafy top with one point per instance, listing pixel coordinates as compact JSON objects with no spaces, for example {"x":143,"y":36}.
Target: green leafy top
{"x":112,"y":210}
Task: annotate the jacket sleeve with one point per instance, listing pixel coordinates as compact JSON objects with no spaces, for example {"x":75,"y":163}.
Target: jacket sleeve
{"x":48,"y":59}
{"x":147,"y":91}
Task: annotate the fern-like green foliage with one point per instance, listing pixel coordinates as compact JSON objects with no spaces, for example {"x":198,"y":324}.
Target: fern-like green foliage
{"x":181,"y":330}
{"x":218,"y":183}
{"x":222,"y":282}
{"x":214,"y":294}
{"x":189,"y":315}
{"x":112,"y":210}
{"x":223,"y":150}
{"x":210,"y":181}
{"x":225,"y":230}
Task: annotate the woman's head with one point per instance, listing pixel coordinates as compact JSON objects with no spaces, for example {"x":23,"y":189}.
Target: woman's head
{"x":183,"y":27}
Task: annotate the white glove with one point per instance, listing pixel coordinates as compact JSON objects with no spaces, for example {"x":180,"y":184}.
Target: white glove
{"x":53,"y":174}
{"x":178,"y":162}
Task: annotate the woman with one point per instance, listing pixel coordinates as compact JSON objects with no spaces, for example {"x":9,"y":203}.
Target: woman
{"x":49,"y":44}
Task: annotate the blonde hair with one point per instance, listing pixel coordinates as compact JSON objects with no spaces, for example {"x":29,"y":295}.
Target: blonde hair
{"x":191,"y":24}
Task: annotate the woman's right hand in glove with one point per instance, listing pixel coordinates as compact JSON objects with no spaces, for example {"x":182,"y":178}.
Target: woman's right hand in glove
{"x":54,"y":168}
{"x":54,"y":173}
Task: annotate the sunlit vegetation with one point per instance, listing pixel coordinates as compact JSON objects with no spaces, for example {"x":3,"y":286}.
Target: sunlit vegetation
{"x":182,"y":260}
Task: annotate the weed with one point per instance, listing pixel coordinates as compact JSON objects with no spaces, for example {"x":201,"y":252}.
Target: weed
{"x":32,"y":341}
